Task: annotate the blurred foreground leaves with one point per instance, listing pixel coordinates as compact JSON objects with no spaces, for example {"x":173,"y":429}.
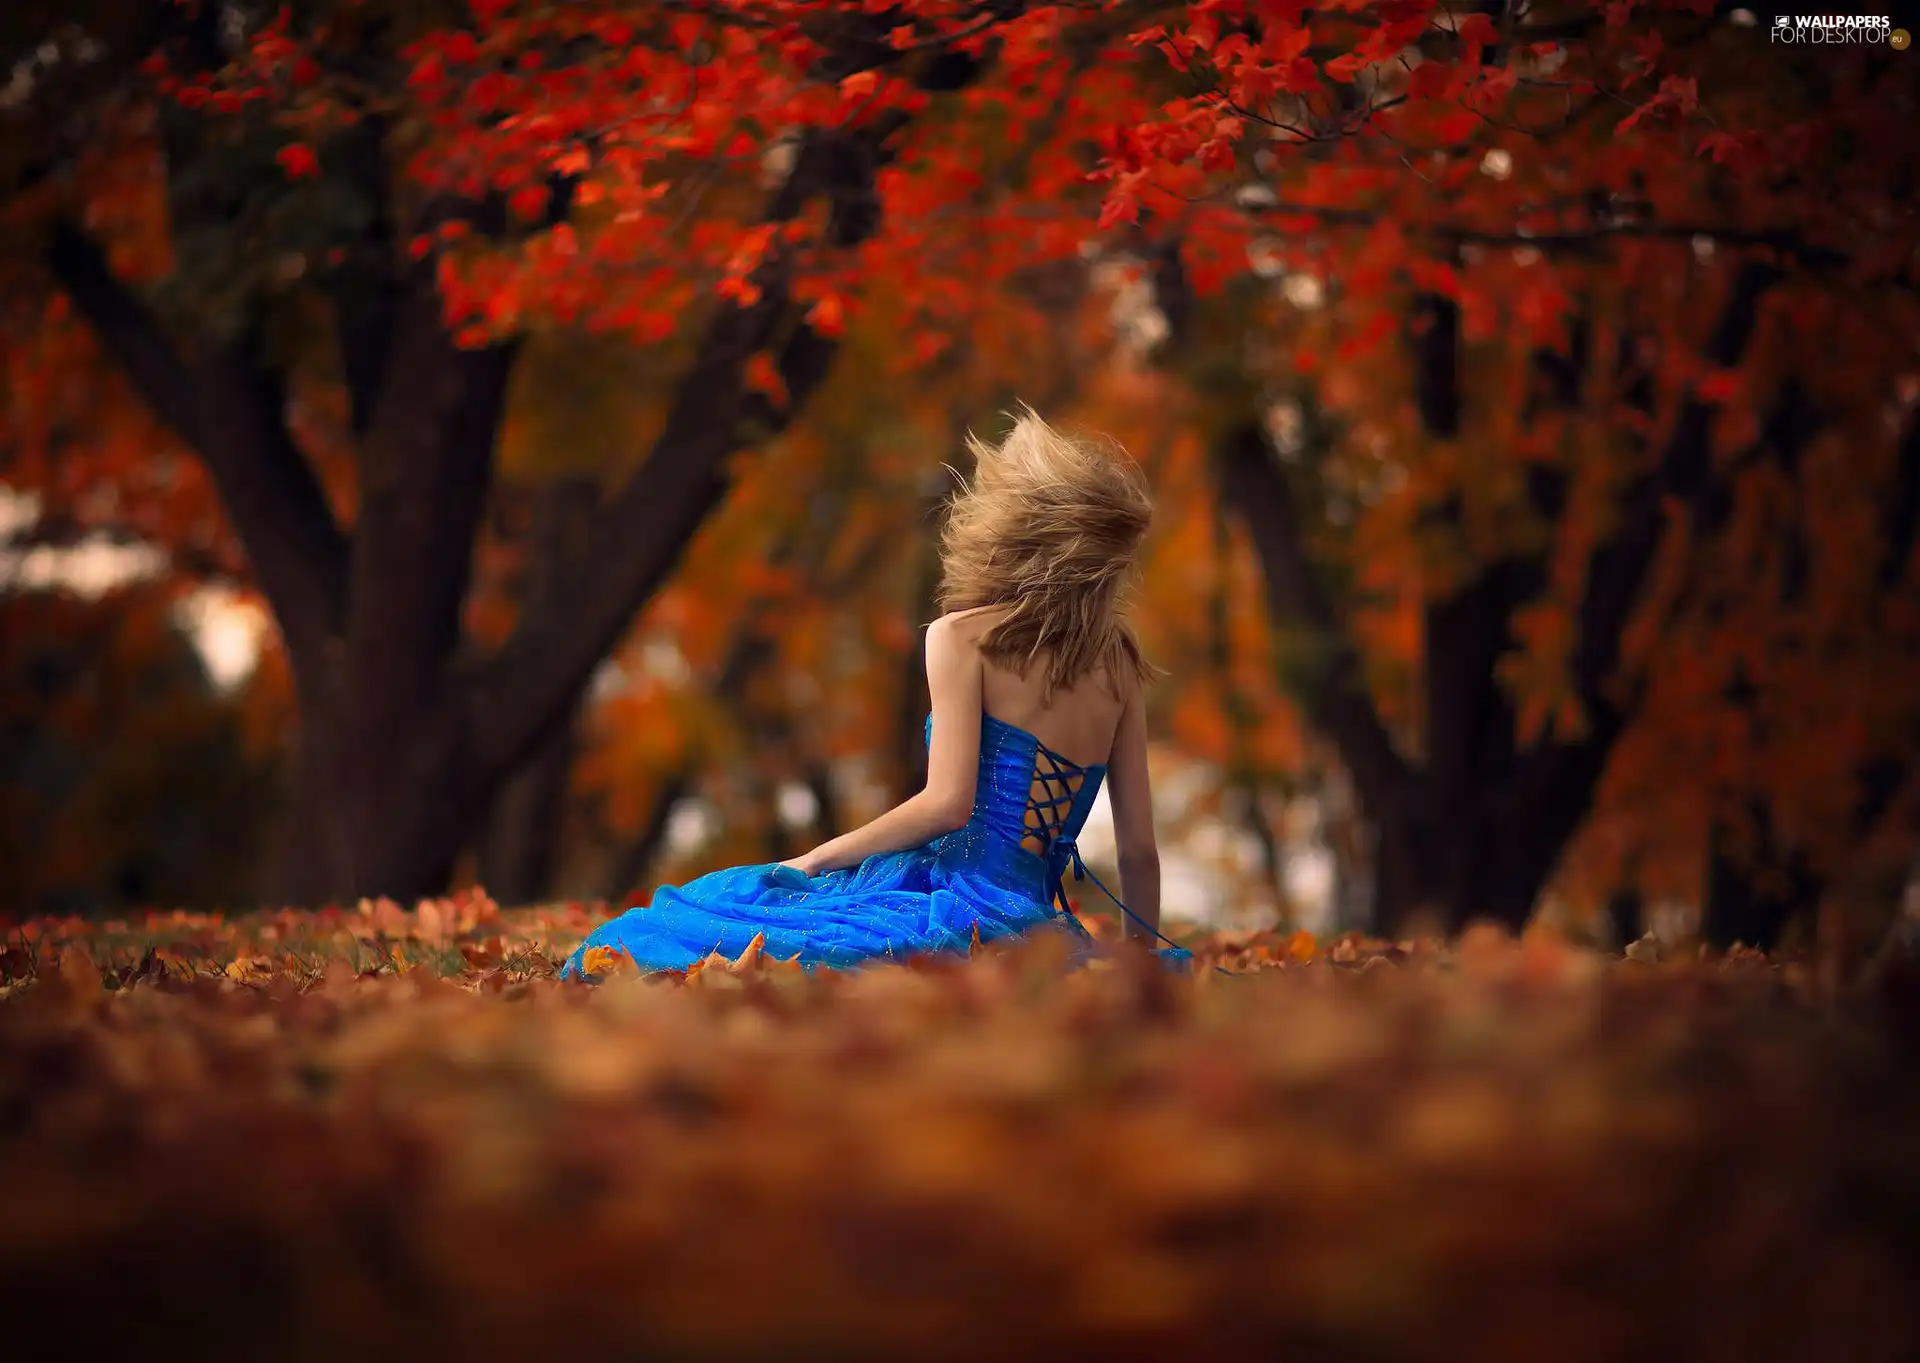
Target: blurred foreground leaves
{"x":377,"y":1133}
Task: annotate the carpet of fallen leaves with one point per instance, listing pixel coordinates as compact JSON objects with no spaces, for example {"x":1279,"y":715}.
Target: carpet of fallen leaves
{"x":378,"y":1133}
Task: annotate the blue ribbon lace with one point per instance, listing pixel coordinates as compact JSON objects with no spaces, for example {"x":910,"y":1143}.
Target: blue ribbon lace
{"x":1064,"y":854}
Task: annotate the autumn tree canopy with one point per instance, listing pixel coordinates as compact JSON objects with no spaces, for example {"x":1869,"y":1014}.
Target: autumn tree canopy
{"x":1601,"y":291}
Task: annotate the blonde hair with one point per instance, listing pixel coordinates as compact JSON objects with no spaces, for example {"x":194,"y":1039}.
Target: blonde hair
{"x":1048,"y":531}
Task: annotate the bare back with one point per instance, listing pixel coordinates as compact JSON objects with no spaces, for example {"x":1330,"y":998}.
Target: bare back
{"x":1078,"y":722}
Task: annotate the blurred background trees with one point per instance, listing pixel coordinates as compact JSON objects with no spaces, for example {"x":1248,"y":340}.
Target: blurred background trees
{"x":127,"y":776}
{"x":1529,"y":397}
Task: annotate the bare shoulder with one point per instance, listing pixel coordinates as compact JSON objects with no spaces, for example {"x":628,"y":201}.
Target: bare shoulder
{"x":951,"y":638}
{"x":962,"y":628}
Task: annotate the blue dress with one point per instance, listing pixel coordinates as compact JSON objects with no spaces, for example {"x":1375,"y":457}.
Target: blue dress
{"x":1002,"y":874}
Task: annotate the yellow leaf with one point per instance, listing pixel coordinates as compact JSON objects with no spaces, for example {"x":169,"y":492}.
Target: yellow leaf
{"x":602,"y":960}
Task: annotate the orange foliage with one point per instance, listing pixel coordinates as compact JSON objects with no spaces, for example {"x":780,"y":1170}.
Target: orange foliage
{"x":1620,"y":179}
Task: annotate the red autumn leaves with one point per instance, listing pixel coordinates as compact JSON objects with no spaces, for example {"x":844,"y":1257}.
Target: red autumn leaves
{"x":298,"y":160}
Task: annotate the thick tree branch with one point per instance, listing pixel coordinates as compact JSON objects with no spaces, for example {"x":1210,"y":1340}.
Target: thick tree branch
{"x":1556,"y":781}
{"x":366,"y":292}
{"x":232,"y":414}
{"x":509,"y":703}
{"x":426,"y":468}
{"x":805,"y":550}
{"x":641,"y":537}
{"x":1582,"y":241}
{"x":126,"y":327}
{"x":1434,"y":337}
{"x":1255,"y":487}
{"x":747,"y":652}
{"x":1890,"y":783}
{"x":1465,"y":630}
{"x":1685,"y":473}
{"x":1475,"y":864}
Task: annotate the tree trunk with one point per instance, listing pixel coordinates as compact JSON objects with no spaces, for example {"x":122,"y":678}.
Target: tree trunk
{"x":406,"y":737}
{"x":330,"y":850}
{"x":426,"y":467}
{"x":372,"y":625}
{"x":1475,"y":830}
{"x":520,"y":849}
{"x":406,"y":741}
{"x":311,"y":832}
{"x":1626,"y":916}
{"x":1440,"y":874}
{"x":1753,"y":897}
{"x":1346,"y":835}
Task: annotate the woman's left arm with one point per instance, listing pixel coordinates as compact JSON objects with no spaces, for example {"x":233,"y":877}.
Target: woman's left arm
{"x":953,"y":762}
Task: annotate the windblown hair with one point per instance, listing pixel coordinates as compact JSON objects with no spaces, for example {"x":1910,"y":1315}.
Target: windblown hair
{"x":1048,"y":531}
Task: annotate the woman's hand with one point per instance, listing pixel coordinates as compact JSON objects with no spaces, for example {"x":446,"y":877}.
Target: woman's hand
{"x":807,"y":863}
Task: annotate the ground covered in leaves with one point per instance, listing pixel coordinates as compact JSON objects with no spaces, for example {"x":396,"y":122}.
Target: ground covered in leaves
{"x":393,"y":1134}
